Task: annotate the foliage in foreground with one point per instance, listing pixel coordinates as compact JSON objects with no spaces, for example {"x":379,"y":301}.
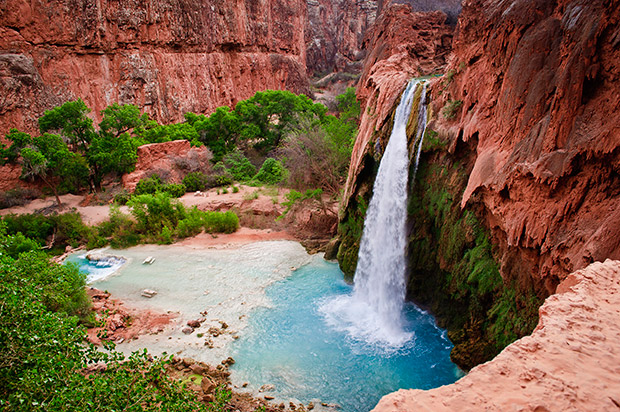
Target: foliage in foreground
{"x":43,"y":355}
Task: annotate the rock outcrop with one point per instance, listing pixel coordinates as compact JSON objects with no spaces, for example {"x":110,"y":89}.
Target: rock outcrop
{"x":165,"y":57}
{"x":170,"y":160}
{"x":335,"y":33}
{"x":569,"y":363}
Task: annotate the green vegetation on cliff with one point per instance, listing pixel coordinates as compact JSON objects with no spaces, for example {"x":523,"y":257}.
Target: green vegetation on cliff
{"x":453,"y":267}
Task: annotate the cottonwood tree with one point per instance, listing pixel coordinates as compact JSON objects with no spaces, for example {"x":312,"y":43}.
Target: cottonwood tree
{"x":49,"y":159}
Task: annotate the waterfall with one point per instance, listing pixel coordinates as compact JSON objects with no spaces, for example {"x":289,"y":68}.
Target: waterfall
{"x":374,"y":312}
{"x":422,"y":120}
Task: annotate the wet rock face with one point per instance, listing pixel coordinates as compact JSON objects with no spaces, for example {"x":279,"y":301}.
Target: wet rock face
{"x":165,"y":57}
{"x":538,"y":82}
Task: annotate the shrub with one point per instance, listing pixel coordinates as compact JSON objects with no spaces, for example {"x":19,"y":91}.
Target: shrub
{"x":54,"y":231}
{"x":237,"y":166}
{"x":148,"y":185}
{"x":191,"y":225}
{"x":122,"y":198}
{"x":235,"y":189}
{"x":175,"y":189}
{"x":16,"y":197}
{"x":196,"y":181}
{"x":154,"y":184}
{"x":271,"y":172}
{"x":218,"y":222}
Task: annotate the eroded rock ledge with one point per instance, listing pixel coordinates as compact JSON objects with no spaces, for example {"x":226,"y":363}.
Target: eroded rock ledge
{"x":569,"y":363}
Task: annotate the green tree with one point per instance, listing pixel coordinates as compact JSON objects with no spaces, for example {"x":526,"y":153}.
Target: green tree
{"x":70,"y":120}
{"x":348,"y":107}
{"x":220,"y":131}
{"x":49,"y":159}
{"x":267,"y":115}
{"x":18,"y":140}
{"x":120,"y":119}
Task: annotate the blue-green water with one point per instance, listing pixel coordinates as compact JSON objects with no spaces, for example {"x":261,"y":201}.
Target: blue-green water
{"x":298,"y":347}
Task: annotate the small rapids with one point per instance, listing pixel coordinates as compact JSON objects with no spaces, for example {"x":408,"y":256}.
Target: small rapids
{"x":98,"y":268}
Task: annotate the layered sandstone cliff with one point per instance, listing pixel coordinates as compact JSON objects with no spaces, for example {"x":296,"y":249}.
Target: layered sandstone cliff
{"x":538,"y":89}
{"x":569,"y":363}
{"x":335,"y":33}
{"x":165,"y":57}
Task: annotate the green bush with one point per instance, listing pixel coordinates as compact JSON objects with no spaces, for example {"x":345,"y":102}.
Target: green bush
{"x":196,"y":181}
{"x":191,"y":225}
{"x":54,"y":231}
{"x":271,"y":172}
{"x":236,"y":166}
{"x":154,"y":184}
{"x":218,"y":222}
{"x":175,"y":189}
{"x":122,"y":198}
{"x":148,"y":185}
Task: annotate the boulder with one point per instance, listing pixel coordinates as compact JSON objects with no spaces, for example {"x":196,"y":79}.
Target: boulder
{"x":194,"y":323}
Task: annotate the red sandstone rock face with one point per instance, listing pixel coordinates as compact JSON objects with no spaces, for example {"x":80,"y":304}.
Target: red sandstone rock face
{"x":163,"y":159}
{"x":539,"y":86}
{"x":335,"y":33}
{"x":402,"y":45}
{"x":569,"y":363}
{"x":165,"y":57}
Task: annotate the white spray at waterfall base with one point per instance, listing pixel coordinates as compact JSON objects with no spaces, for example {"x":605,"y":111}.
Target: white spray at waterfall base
{"x":373,"y":313}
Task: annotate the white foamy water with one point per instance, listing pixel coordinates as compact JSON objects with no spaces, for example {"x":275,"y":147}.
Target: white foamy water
{"x":374,"y":311}
{"x":99,"y":268}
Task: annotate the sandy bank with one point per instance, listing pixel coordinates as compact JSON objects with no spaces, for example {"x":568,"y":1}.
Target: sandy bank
{"x":571,"y":362}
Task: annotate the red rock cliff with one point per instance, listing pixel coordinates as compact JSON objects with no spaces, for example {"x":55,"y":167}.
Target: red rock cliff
{"x":165,"y":57}
{"x":538,"y":82}
{"x":335,"y":33}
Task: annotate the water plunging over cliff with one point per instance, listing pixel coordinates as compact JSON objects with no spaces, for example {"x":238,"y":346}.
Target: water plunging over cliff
{"x":373,"y":313}
{"x":421,"y":131}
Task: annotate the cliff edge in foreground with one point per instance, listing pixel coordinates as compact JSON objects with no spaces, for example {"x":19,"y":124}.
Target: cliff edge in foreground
{"x":569,"y":363}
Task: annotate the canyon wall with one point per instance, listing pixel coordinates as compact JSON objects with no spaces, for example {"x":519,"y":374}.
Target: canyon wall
{"x":166,"y":57}
{"x":335,"y":34}
{"x":535,"y":90}
{"x":519,"y":181}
